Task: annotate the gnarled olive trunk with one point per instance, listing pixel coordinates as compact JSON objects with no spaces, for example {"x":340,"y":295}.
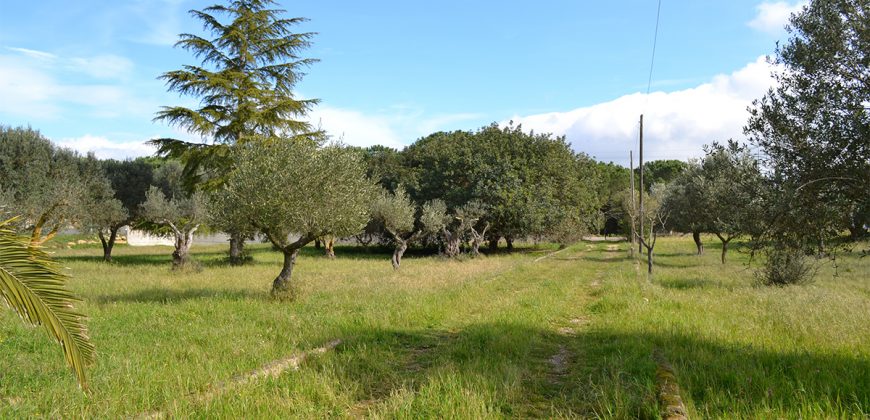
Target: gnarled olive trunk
{"x":453,"y":240}
{"x":281,"y":286}
{"x":649,"y":246}
{"x":477,"y":238}
{"x":237,"y":248}
{"x":108,"y":243}
{"x":475,"y":247}
{"x":317,"y":244}
{"x":493,"y":243}
{"x":725,"y":242}
{"x":401,"y":247}
{"x":183,"y":241}
{"x":329,"y":247}
{"x":696,"y":236}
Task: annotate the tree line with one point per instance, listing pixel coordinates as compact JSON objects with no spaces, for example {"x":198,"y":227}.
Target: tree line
{"x":799,"y":184}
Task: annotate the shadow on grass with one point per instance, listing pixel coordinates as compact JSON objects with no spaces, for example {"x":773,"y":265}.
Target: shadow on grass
{"x":526,"y":372}
{"x":608,"y":257}
{"x":168,"y":296}
{"x":658,"y":262}
{"x":684,"y":284}
{"x":205,"y":258}
{"x":219,"y":258}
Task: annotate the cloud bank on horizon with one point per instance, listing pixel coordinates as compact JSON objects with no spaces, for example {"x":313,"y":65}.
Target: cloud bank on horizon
{"x":676,"y":124}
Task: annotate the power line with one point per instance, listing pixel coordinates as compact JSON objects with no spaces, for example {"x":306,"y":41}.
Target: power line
{"x":655,"y":41}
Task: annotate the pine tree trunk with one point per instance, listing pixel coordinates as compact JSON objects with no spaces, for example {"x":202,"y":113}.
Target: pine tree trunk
{"x":696,"y":236}
{"x":237,"y":248}
{"x":401,"y":247}
{"x":281,"y":286}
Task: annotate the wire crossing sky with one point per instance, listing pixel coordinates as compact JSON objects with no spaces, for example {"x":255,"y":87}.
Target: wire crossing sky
{"x":85,"y":72}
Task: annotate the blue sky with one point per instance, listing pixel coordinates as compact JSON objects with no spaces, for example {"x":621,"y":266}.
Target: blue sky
{"x":85,"y":72}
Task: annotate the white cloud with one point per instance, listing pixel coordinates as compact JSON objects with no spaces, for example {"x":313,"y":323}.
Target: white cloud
{"x":104,"y":148}
{"x":772,"y":17}
{"x":676,"y":124}
{"x":35,"y":89}
{"x":354,"y":128}
{"x":395,"y":127}
{"x":103,"y":66}
{"x":41,"y":55}
{"x":26,"y":91}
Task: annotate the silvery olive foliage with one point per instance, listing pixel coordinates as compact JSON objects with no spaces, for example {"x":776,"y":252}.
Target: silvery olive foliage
{"x":294,"y":190}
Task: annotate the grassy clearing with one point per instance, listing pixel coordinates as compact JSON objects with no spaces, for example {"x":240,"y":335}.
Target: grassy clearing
{"x":567,"y":336}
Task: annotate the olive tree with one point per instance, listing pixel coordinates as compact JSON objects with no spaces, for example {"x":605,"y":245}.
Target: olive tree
{"x":654,"y":217}
{"x":40,"y":182}
{"x":129,"y":181}
{"x":175,"y":208}
{"x":813,"y":126}
{"x":732,"y":189}
{"x":395,"y":212}
{"x":294,"y":191}
{"x":686,"y":204}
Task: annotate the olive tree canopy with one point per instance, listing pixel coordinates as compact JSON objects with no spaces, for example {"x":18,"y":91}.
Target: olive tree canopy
{"x":293,"y":191}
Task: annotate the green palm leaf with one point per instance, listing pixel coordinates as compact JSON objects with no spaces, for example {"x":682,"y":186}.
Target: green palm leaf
{"x":33,"y":287}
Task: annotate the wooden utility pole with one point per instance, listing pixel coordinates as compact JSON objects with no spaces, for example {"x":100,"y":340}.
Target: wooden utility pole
{"x":633,"y":201}
{"x":640,"y":167}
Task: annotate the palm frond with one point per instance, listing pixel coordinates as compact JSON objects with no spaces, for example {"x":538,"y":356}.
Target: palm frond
{"x":33,"y":287}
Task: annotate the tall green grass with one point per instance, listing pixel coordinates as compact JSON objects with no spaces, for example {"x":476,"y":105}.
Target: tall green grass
{"x":500,"y":336}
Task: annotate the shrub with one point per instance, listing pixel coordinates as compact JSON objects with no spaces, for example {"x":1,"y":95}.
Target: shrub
{"x":785,"y":266}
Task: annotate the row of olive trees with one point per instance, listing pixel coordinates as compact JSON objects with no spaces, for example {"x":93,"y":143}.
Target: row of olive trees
{"x":50,"y":188}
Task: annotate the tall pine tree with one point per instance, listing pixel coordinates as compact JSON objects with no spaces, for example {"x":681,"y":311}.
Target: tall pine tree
{"x":250,"y":64}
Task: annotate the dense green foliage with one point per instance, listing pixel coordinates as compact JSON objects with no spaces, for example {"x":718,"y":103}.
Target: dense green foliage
{"x":733,"y":192}
{"x":50,"y":187}
{"x":248,"y":72}
{"x":814,"y":126}
{"x":660,"y":172}
{"x":295,"y":188}
{"x":527,"y":184}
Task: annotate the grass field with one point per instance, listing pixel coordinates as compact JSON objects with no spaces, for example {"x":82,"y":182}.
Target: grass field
{"x":509,"y":335}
